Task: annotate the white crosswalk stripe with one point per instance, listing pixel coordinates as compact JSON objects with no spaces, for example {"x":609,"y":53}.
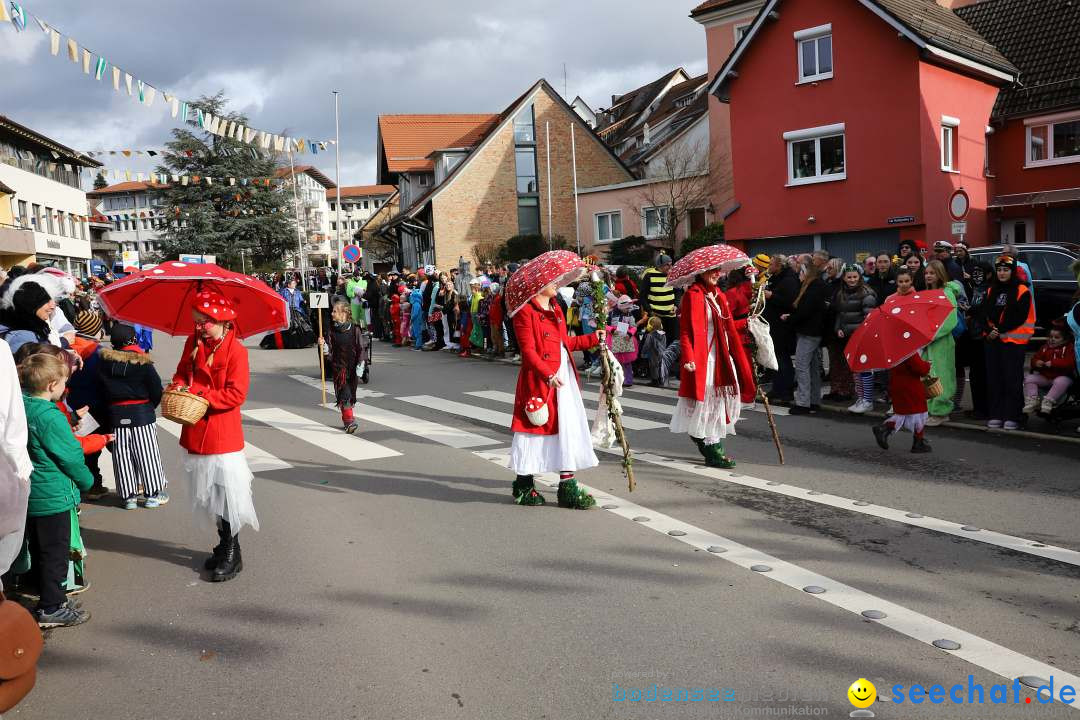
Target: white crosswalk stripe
{"x":349,"y":447}
{"x":630,"y":423}
{"x":473,"y":412}
{"x":451,"y":437}
{"x":258,"y":460}
{"x":316,"y":383}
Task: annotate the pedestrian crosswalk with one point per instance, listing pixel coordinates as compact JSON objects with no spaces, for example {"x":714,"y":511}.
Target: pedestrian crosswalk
{"x":348,"y":447}
{"x":629,"y":422}
{"x":258,"y":460}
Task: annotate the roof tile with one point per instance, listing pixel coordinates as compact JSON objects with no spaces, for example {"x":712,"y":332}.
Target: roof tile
{"x":408,"y":140}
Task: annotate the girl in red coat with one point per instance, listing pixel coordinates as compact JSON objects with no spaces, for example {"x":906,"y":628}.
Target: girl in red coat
{"x":716,"y":377}
{"x":909,"y":404}
{"x":214,"y":364}
{"x":563,"y":444}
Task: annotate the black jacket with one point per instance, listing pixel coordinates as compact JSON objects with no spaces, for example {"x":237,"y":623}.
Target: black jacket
{"x":851,"y":308}
{"x":809,"y":317}
{"x":883,"y":287}
{"x":129,"y":375}
{"x":785,"y":288}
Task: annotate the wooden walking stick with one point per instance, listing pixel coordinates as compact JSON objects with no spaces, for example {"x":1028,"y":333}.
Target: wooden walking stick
{"x":759,"y":306}
{"x":772,"y":422}
{"x":607,"y":381}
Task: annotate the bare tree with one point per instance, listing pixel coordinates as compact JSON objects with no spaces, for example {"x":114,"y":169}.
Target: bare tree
{"x":683,"y":177}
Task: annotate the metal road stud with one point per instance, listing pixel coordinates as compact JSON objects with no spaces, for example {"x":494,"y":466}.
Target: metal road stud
{"x":970,"y":528}
{"x":641,"y":518}
{"x":609,"y":507}
{"x":913,"y":515}
{"x":874,"y":614}
{"x":676,"y":533}
{"x":761,"y":568}
{"x":716,"y":549}
{"x":946,"y":644}
{"x":814,"y":589}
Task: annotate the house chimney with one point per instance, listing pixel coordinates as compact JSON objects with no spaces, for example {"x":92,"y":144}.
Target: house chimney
{"x":954,"y":4}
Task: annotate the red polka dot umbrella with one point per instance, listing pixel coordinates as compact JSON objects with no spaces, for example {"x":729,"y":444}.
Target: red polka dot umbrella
{"x":898,"y":329}
{"x":715,"y":257}
{"x":560,"y":267}
{"x":161,"y":298}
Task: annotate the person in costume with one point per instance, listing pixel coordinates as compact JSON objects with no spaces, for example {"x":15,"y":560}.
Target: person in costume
{"x":343,"y":347}
{"x":563,"y":443}
{"x":942,"y":351}
{"x":909,"y":404}
{"x":716,"y":377}
{"x":214,"y":364}
{"x":416,"y":317}
{"x":1009,"y":316}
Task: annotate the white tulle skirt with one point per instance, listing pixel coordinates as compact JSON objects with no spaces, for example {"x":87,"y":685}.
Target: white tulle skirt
{"x":570,"y":449}
{"x":221,"y":488}
{"x":915,"y":423}
{"x":714,"y":417}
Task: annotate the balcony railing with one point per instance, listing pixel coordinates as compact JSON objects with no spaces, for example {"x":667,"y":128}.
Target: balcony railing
{"x":15,"y":240}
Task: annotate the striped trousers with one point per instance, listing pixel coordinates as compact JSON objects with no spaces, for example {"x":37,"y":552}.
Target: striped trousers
{"x":137,"y":461}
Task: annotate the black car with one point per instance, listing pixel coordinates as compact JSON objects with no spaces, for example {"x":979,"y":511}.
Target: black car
{"x":1053,"y":281}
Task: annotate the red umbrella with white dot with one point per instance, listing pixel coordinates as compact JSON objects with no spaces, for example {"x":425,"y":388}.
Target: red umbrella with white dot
{"x":161,"y":298}
{"x":897,"y":329}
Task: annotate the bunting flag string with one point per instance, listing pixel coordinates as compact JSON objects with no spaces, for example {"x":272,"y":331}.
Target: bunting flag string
{"x":145,"y":93}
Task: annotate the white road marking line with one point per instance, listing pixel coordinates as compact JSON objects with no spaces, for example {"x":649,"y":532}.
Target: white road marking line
{"x":629,"y":402}
{"x":990,"y":537}
{"x":317,"y":384}
{"x":974,"y":649}
{"x":258,"y":460}
{"x":451,"y":437}
{"x":350,"y":447}
{"x":674,"y":395}
{"x":467,"y":411}
{"x":629,"y":422}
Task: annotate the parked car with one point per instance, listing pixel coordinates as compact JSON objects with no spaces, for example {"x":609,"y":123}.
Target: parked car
{"x":1052,"y":279}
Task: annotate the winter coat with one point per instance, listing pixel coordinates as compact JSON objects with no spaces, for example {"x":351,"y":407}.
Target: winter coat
{"x":851,"y":308}
{"x":883,"y":287}
{"x":1062,"y":361}
{"x":225,"y":384}
{"x":652,"y":349}
{"x":15,"y":465}
{"x":785,"y":288}
{"x":694,"y":346}
{"x":809,"y":316}
{"x":60,"y":471}
{"x":541,"y":335}
{"x":416,"y":307}
{"x":132,"y":384}
{"x":906,"y":388}
{"x":90,"y":444}
{"x":86,"y":388}
{"x":1006,"y":307}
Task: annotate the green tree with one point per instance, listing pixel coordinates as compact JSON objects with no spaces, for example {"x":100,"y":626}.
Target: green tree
{"x":526,"y":247}
{"x":221,"y":219}
{"x":630,"y":250}
{"x":711,"y":234}
{"x":100,"y":181}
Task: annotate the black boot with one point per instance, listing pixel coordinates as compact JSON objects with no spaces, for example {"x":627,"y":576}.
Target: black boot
{"x":920,"y":445}
{"x":230,"y":563}
{"x":224,"y":533}
{"x":881,"y":434}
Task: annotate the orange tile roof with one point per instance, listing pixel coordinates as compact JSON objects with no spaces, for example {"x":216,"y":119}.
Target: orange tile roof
{"x":363,"y":190}
{"x":133,"y":186}
{"x":711,"y":5}
{"x":407,"y":140}
{"x":318,"y":175}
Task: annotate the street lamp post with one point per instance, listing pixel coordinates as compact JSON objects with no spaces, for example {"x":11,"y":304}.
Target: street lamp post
{"x":337,"y":181}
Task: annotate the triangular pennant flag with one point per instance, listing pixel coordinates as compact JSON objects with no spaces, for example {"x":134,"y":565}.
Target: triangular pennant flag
{"x":54,"y":42}
{"x":209,"y":181}
{"x":232,"y":181}
{"x":116,"y":78}
{"x":239,"y":134}
{"x":249,"y":135}
{"x":232,"y":126}
{"x":86,"y":61}
{"x":139,"y":177}
{"x":125,"y":153}
{"x":4,"y":17}
{"x":279,"y":143}
{"x":151,"y":153}
{"x":99,"y":68}
{"x":42,"y":24}
{"x":176,"y":178}
{"x":184,"y":180}
{"x":183,"y":112}
{"x":141,"y":86}
{"x":127,"y":82}
{"x":56,"y":155}
{"x":127,"y":174}
{"x":301,"y":146}
{"x":314,"y":148}
{"x":73,"y":50}
{"x":175,"y":106}
{"x":18,"y":16}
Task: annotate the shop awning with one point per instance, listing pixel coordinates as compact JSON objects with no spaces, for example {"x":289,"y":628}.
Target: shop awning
{"x":1048,"y":197}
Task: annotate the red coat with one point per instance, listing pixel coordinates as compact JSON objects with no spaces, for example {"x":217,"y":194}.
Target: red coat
{"x":1062,"y":360}
{"x":905,"y":386}
{"x":541,"y":334}
{"x":693,"y":339}
{"x":225,"y":385}
{"x":739,"y":299}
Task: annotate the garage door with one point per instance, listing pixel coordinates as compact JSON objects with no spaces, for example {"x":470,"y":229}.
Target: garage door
{"x":1063,"y":225}
{"x":784,"y":246}
{"x":850,"y":245}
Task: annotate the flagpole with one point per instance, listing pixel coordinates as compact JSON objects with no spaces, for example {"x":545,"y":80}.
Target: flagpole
{"x":337,"y":181}
{"x":577,"y":223}
{"x":547,"y":147}
{"x":299,"y":234}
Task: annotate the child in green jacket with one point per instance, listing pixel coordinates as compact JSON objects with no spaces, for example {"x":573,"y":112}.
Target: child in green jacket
{"x":59,"y":474}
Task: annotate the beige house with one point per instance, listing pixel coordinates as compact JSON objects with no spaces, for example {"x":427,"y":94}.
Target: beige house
{"x":471,"y":180}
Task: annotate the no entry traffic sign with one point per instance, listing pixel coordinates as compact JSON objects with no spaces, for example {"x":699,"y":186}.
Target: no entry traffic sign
{"x":351,"y":253}
{"x":959,"y":203}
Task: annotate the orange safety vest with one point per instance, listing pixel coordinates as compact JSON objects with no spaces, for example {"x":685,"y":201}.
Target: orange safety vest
{"x":1022,"y":334}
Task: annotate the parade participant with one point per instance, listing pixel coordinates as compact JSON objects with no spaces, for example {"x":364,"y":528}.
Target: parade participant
{"x":416,"y":318}
{"x":909,"y":404}
{"x":343,"y":349}
{"x":740,"y":297}
{"x":1010,"y":318}
{"x":214,"y":364}
{"x":293,"y":297}
{"x":973,"y":347}
{"x":354,"y":290}
{"x":395,"y":319}
{"x":716,"y":377}
{"x":561,"y":441}
{"x":134,"y":390}
{"x":1054,"y":367}
{"x":622,"y":335}
{"x":657,"y":298}
{"x":942,"y":351}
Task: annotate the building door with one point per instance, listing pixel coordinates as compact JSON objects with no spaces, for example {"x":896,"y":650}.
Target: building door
{"x":696,"y":220}
{"x":1063,"y":224}
{"x":1017,"y":231}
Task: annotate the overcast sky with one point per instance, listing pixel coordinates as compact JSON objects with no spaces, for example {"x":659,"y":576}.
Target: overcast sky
{"x":279,"y":61}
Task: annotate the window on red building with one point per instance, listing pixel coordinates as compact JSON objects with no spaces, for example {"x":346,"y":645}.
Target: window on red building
{"x":950,"y":144}
{"x":816,"y":155}
{"x":815,"y":53}
{"x":1053,"y":140}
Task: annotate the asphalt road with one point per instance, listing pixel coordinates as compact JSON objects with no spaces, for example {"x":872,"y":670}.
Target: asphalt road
{"x":404,"y":583}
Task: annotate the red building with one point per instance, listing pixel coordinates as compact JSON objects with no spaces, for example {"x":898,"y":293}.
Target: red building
{"x":853,"y":121}
{"x":1035,"y":144}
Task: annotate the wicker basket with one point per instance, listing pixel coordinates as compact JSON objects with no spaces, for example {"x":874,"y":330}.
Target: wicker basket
{"x":933,"y":386}
{"x":183,"y":407}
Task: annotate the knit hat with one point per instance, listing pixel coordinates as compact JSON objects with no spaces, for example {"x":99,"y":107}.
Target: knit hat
{"x":663,"y":260}
{"x":1005,"y":261}
{"x":214,"y":305}
{"x":625,"y":303}
{"x":122,"y":335}
{"x":88,"y":322}
{"x":30,"y":296}
{"x":761,"y":261}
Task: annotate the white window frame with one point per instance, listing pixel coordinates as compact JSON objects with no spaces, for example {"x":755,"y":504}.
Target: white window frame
{"x":815,"y":133}
{"x":1047,"y":121}
{"x":661,"y":224}
{"x":744,"y":27}
{"x":950,"y":144}
{"x":596,"y":226}
{"x":813,"y":35}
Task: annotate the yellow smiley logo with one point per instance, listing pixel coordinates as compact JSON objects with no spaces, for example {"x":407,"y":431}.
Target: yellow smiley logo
{"x":862,"y":693}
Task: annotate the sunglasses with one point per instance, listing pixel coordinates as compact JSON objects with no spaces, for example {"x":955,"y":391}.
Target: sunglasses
{"x":204,"y":323}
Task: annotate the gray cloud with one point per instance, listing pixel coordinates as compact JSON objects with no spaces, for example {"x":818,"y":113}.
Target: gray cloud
{"x":279,"y":61}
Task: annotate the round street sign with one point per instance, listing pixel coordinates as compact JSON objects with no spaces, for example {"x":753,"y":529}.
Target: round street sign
{"x":350,"y":253}
{"x":959,"y":204}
